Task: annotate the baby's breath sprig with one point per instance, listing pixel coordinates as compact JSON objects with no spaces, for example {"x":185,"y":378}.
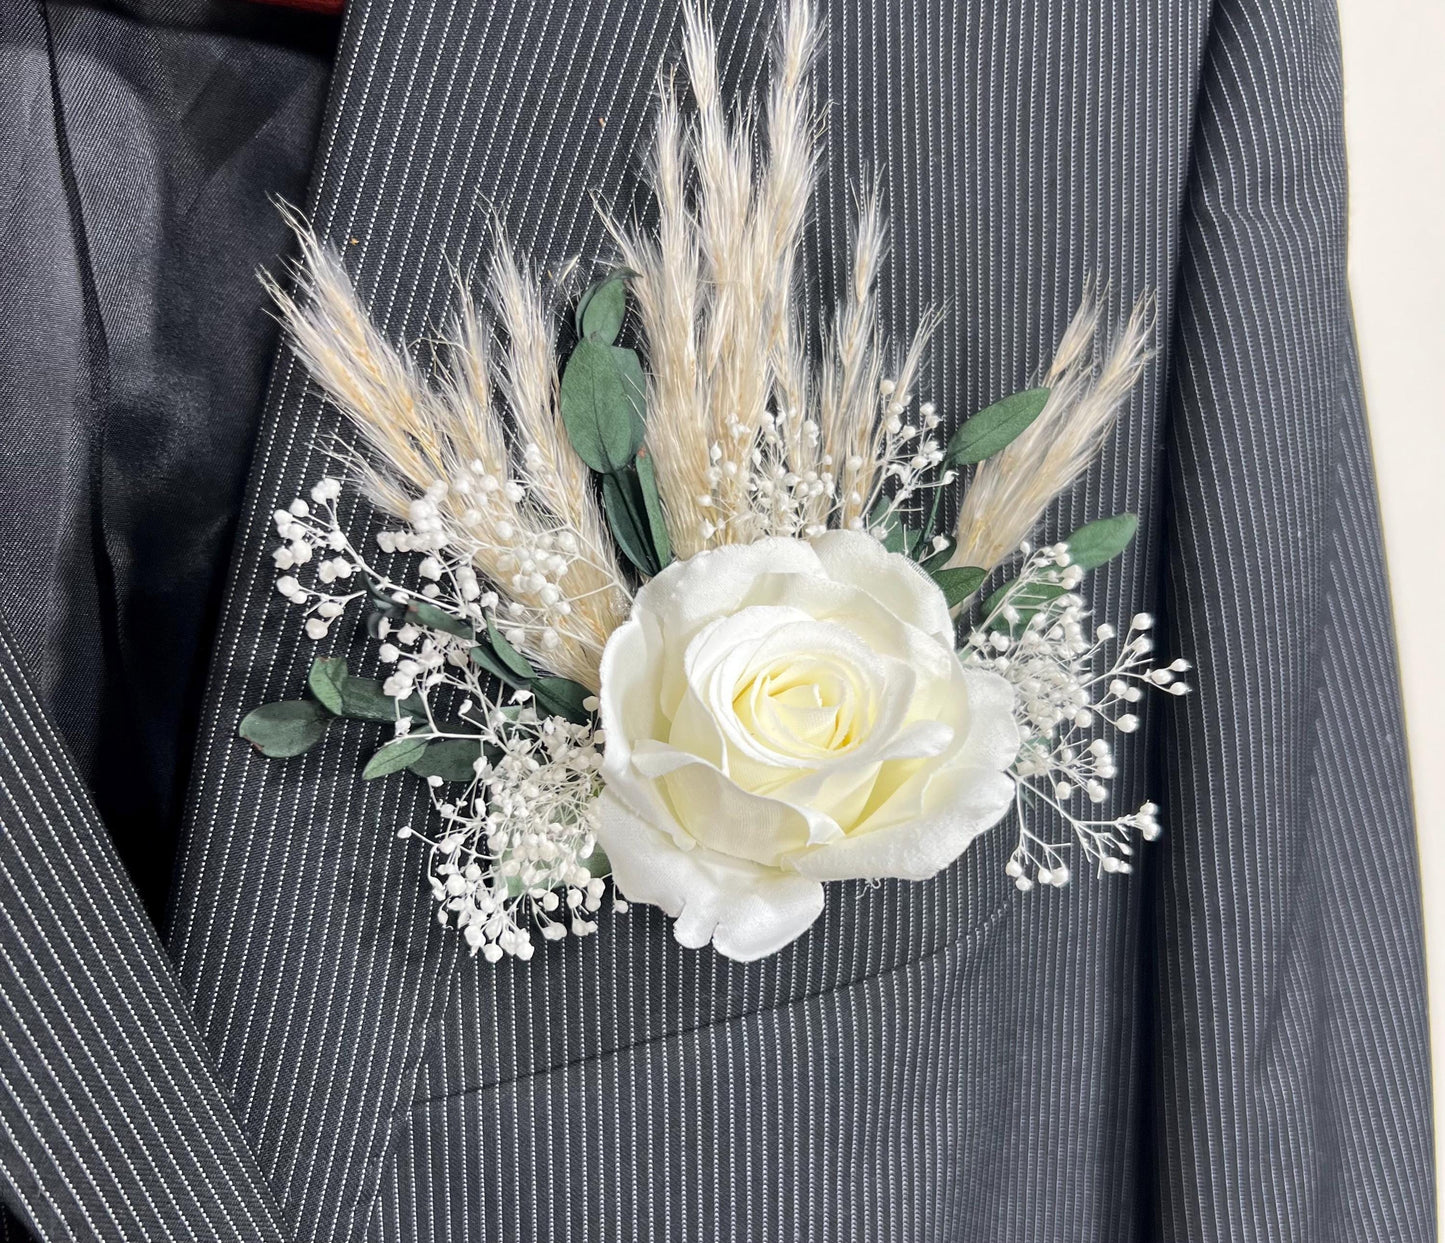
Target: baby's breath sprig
{"x":517,"y":847}
{"x":1033,"y":633}
{"x":514,"y":784}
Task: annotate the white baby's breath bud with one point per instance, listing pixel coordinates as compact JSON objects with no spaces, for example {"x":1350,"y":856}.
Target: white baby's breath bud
{"x":316,"y":628}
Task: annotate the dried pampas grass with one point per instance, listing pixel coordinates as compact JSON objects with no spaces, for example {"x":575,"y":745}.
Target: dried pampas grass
{"x":714,"y":287}
{"x":1011,"y":490}
{"x":747,"y":436}
{"x":506,"y":504}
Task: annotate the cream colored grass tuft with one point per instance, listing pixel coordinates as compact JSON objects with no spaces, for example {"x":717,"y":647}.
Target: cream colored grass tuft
{"x":1011,"y":490}
{"x":419,"y":435}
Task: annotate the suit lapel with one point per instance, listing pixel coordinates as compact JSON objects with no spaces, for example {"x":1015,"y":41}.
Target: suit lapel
{"x":112,"y":1124}
{"x":302,"y":927}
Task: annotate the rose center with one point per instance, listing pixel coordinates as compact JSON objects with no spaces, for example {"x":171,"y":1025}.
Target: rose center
{"x":809,"y":707}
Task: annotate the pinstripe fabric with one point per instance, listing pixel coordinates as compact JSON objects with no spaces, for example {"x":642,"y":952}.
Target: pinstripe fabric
{"x":1294,"y":1085}
{"x":1230,"y":1044}
{"x":111,"y":1122}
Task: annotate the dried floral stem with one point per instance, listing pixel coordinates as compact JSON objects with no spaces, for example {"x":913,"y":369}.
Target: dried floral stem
{"x":532,"y":530}
{"x":715,"y":296}
{"x":667,"y":292}
{"x":1011,"y":490}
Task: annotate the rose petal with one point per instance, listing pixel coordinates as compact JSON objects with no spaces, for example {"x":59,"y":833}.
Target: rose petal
{"x":993,"y":733}
{"x":966,"y":802}
{"x":934,"y":813}
{"x":719,"y":814}
{"x":688,"y":594}
{"x":745,"y":910}
{"x":629,"y":675}
{"x":895,"y":581}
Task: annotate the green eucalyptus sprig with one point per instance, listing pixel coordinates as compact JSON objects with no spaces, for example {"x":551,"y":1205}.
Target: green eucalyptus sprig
{"x":604,"y":403}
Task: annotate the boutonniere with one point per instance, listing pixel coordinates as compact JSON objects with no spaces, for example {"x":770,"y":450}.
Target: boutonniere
{"x":681,"y":608}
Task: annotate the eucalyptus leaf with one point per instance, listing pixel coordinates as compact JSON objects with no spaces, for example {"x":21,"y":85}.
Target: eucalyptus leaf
{"x":519,"y":665}
{"x":485,"y":658}
{"x":598,"y":863}
{"x":562,"y":697}
{"x":634,"y":386}
{"x":451,"y":759}
{"x":325,"y":681}
{"x":399,"y":753}
{"x":602,"y":399}
{"x":364,"y":700}
{"x":1026,"y":601}
{"x":429,"y":615}
{"x":602,"y":309}
{"x":994,"y":427}
{"x":359,"y":699}
{"x":652,"y":502}
{"x":284,"y":729}
{"x":958,"y":583}
{"x":1094,"y":543}
{"x":623,"y":506}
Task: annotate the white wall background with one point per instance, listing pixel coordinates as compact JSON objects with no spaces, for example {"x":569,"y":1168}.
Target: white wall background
{"x":1394,"y":66}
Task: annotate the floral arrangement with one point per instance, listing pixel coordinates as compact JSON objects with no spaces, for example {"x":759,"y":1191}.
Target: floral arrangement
{"x":685,"y":613}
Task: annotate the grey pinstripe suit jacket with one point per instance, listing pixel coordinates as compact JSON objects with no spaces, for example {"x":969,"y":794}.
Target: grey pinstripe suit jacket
{"x":1229,"y":1045}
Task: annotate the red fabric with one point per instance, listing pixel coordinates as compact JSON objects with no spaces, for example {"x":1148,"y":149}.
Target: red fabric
{"x":311,"y":6}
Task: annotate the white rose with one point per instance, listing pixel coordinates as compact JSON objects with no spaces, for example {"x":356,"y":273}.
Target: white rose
{"x":785,"y":713}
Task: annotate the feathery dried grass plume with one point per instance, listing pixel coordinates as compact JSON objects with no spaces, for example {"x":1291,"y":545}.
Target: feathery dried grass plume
{"x":715,"y":287}
{"x":748,"y":439}
{"x":523,"y":515}
{"x":1011,"y":490}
